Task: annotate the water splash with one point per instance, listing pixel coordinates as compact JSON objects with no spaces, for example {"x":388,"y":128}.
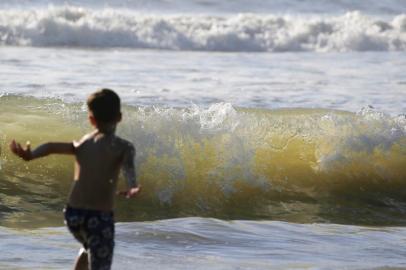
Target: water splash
{"x":80,"y":27}
{"x":295,"y":164}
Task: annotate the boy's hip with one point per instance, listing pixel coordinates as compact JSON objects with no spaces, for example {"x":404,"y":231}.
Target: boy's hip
{"x":88,"y":212}
{"x":94,"y":229}
{"x":85,"y":224}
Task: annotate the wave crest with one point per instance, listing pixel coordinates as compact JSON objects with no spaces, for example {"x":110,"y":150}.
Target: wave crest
{"x":78,"y":27}
{"x":294,"y":164}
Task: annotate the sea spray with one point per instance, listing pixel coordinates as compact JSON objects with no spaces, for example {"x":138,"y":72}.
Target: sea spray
{"x":301,"y":165}
{"x":70,"y":26}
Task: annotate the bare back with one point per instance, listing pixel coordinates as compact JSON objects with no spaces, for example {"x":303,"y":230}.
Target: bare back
{"x":99,"y":157}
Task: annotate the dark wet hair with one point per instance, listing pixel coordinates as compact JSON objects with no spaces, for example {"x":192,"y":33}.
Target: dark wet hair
{"x":104,"y":105}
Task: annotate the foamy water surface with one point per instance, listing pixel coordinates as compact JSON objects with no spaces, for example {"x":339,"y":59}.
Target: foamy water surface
{"x":300,"y":80}
{"x":215,"y":244}
{"x":245,"y":32}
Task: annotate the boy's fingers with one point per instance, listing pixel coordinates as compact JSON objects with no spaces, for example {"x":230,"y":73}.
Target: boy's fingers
{"x":13,"y":146}
{"x":136,"y":190}
{"x":123,"y":193}
{"x":21,"y":151}
{"x":129,"y":193}
{"x":18,"y":149}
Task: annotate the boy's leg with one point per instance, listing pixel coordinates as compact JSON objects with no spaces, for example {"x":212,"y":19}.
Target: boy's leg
{"x":101,"y":241}
{"x":74,"y":220}
{"x":82,"y":262}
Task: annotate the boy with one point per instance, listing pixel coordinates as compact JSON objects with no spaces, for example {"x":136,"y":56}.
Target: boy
{"x":99,"y":156}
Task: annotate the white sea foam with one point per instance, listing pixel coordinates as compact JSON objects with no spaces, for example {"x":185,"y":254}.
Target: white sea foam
{"x":79,"y":27}
{"x":371,"y":132}
{"x":382,"y":7}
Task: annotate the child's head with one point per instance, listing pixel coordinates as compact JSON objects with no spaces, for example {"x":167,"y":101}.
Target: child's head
{"x":104,"y":106}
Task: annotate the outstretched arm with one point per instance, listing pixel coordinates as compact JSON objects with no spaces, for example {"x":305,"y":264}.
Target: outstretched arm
{"x":130,"y":175}
{"x":42,"y":150}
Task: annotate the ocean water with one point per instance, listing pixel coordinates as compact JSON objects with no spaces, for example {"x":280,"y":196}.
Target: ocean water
{"x":269,"y":134}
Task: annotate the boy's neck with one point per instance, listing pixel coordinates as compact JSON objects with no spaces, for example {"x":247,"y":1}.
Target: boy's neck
{"x":106,"y":128}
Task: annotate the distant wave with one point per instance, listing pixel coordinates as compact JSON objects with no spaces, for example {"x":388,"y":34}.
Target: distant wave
{"x":78,"y":27}
{"x":385,"y":7}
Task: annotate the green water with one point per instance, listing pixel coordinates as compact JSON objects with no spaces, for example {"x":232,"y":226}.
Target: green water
{"x":296,"y":165}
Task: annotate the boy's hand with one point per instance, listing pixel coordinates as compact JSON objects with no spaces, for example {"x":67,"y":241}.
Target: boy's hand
{"x":21,"y":152}
{"x":130,"y":193}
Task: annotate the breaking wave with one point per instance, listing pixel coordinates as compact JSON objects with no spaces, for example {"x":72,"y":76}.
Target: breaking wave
{"x":106,"y":28}
{"x":300,"y":165}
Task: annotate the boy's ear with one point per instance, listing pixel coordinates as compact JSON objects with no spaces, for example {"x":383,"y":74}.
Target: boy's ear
{"x":119,"y":117}
{"x":92,"y":120}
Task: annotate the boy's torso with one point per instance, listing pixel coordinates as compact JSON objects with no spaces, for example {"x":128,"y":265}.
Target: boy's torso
{"x":98,"y":160}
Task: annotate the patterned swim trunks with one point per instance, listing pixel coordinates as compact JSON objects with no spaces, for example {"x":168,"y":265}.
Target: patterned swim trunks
{"x":95,"y":230}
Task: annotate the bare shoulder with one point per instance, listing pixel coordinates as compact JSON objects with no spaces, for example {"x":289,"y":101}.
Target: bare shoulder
{"x":125,"y":144}
{"x":85,"y":138}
